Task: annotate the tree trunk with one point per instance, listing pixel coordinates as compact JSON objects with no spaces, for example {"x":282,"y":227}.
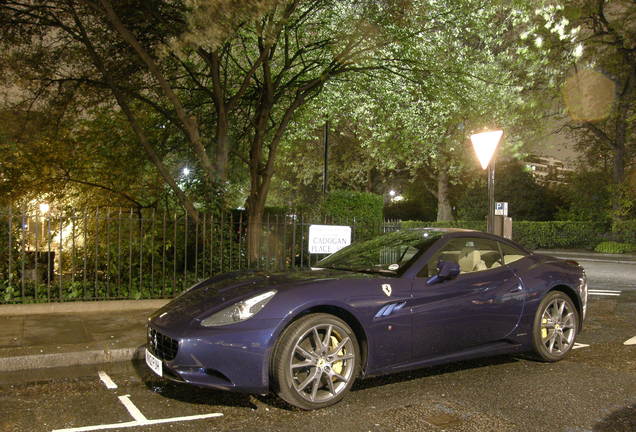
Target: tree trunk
{"x":619,"y":164}
{"x":222,"y":147}
{"x":444,"y":208}
{"x":254,"y":230}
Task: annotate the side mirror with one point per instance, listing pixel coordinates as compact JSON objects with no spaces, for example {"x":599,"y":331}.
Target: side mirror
{"x":446,"y":270}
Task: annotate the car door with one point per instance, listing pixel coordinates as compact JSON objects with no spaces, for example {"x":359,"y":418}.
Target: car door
{"x":481,"y":305}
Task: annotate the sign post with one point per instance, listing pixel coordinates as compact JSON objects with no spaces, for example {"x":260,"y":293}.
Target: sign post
{"x":501,"y":209}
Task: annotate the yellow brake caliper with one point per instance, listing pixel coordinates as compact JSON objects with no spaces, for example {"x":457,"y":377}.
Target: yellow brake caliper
{"x":544,"y":331}
{"x":336,"y":366}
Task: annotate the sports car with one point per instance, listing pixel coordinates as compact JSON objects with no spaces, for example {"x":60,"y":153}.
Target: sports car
{"x":400,"y":301}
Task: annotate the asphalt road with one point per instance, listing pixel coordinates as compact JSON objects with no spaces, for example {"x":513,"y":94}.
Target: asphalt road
{"x":611,"y":276}
{"x":594,"y":389}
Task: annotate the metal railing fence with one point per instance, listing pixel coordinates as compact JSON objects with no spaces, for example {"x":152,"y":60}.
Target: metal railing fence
{"x":107,"y":253}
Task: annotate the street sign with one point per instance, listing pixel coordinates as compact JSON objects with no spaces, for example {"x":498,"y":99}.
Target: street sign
{"x":501,"y":209}
{"x":327,"y":239}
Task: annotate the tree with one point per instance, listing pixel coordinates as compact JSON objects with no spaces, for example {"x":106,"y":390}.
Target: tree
{"x":248,"y":80}
{"x":94,"y":162}
{"x":599,"y":97}
{"x":468,"y":66}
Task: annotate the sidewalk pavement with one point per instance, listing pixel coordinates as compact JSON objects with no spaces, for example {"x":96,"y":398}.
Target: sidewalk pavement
{"x":70,"y":334}
{"x":583,"y":255}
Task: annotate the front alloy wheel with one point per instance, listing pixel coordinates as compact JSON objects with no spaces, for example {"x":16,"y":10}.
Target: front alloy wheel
{"x":555,"y":326}
{"x":316,"y":361}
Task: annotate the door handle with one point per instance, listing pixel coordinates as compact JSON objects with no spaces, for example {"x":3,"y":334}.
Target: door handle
{"x":516,"y":288}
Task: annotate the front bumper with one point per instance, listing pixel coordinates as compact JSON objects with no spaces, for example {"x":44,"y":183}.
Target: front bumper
{"x":234,"y":357}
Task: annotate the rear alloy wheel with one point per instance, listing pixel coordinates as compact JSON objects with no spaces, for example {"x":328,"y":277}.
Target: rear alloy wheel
{"x":555,"y":326}
{"x":316,"y":361}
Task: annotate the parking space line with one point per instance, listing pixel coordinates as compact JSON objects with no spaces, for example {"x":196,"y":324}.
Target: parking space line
{"x":136,"y":423}
{"x":140,"y":419}
{"x":630,"y":341}
{"x":579,"y":345}
{"x":132,"y":409}
{"x":109,"y":383}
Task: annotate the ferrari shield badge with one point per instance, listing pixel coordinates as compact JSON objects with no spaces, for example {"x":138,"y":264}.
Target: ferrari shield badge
{"x":387,"y":289}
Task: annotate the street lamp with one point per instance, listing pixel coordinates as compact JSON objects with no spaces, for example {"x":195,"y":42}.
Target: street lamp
{"x":44,"y":208}
{"x":485,"y":144}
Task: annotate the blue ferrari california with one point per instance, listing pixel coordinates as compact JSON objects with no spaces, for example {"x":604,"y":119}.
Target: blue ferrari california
{"x":401,"y":301}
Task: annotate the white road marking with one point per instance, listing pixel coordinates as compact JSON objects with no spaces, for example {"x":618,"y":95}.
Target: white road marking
{"x":630,"y":341}
{"x":109,"y":383}
{"x":132,"y":409}
{"x":610,"y":293}
{"x":579,"y":345}
{"x":136,"y":423}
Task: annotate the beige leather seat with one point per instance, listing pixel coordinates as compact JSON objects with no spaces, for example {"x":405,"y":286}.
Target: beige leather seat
{"x":512,"y":258}
{"x":471,"y":261}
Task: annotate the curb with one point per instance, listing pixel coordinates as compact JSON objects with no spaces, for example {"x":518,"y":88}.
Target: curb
{"x":81,"y":307}
{"x":554,"y":252}
{"x":584,"y":259}
{"x":82,"y":358}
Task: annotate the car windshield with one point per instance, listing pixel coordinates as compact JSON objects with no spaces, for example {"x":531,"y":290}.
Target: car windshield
{"x":388,"y":254}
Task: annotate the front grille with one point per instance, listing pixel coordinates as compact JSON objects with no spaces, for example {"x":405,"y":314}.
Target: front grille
{"x":162,"y":346}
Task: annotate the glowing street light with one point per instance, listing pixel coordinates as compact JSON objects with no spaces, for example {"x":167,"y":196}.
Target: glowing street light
{"x":186,"y":171}
{"x":485,"y":144}
{"x":44,"y":208}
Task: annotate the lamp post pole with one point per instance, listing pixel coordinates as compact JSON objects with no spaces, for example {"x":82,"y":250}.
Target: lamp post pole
{"x":491,"y":196}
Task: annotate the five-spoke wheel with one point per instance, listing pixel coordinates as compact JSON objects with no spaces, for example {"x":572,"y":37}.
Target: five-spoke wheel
{"x":316,"y":361}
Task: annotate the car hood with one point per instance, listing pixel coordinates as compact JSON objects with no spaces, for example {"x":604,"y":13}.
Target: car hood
{"x":224,"y":290}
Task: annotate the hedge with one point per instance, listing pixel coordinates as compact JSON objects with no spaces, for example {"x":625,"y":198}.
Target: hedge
{"x":473,"y":225}
{"x":535,"y":235}
{"x":558,"y":234}
{"x":615,"y":247}
{"x":361,"y":209}
{"x":624,"y":231}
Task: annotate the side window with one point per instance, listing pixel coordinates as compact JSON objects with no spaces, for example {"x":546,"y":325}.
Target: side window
{"x":472,"y":254}
{"x":511,"y":253}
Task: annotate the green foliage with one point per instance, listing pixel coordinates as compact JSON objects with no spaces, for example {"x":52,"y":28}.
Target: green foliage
{"x":536,"y":235}
{"x":558,"y":234}
{"x":410,"y":210}
{"x":615,"y":247}
{"x":586,"y":196}
{"x":624,"y":230}
{"x":527,"y":200}
{"x":471,"y":225}
{"x":362,"y":209}
{"x":623,"y":200}
{"x":415,"y":113}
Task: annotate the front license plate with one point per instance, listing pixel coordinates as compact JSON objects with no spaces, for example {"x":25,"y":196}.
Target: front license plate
{"x":154,"y":363}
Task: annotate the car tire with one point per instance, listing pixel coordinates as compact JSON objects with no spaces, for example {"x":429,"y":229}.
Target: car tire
{"x":316,"y":361}
{"x":555,"y":327}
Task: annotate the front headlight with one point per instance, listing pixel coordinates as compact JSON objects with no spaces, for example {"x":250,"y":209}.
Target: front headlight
{"x":239,"y":311}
